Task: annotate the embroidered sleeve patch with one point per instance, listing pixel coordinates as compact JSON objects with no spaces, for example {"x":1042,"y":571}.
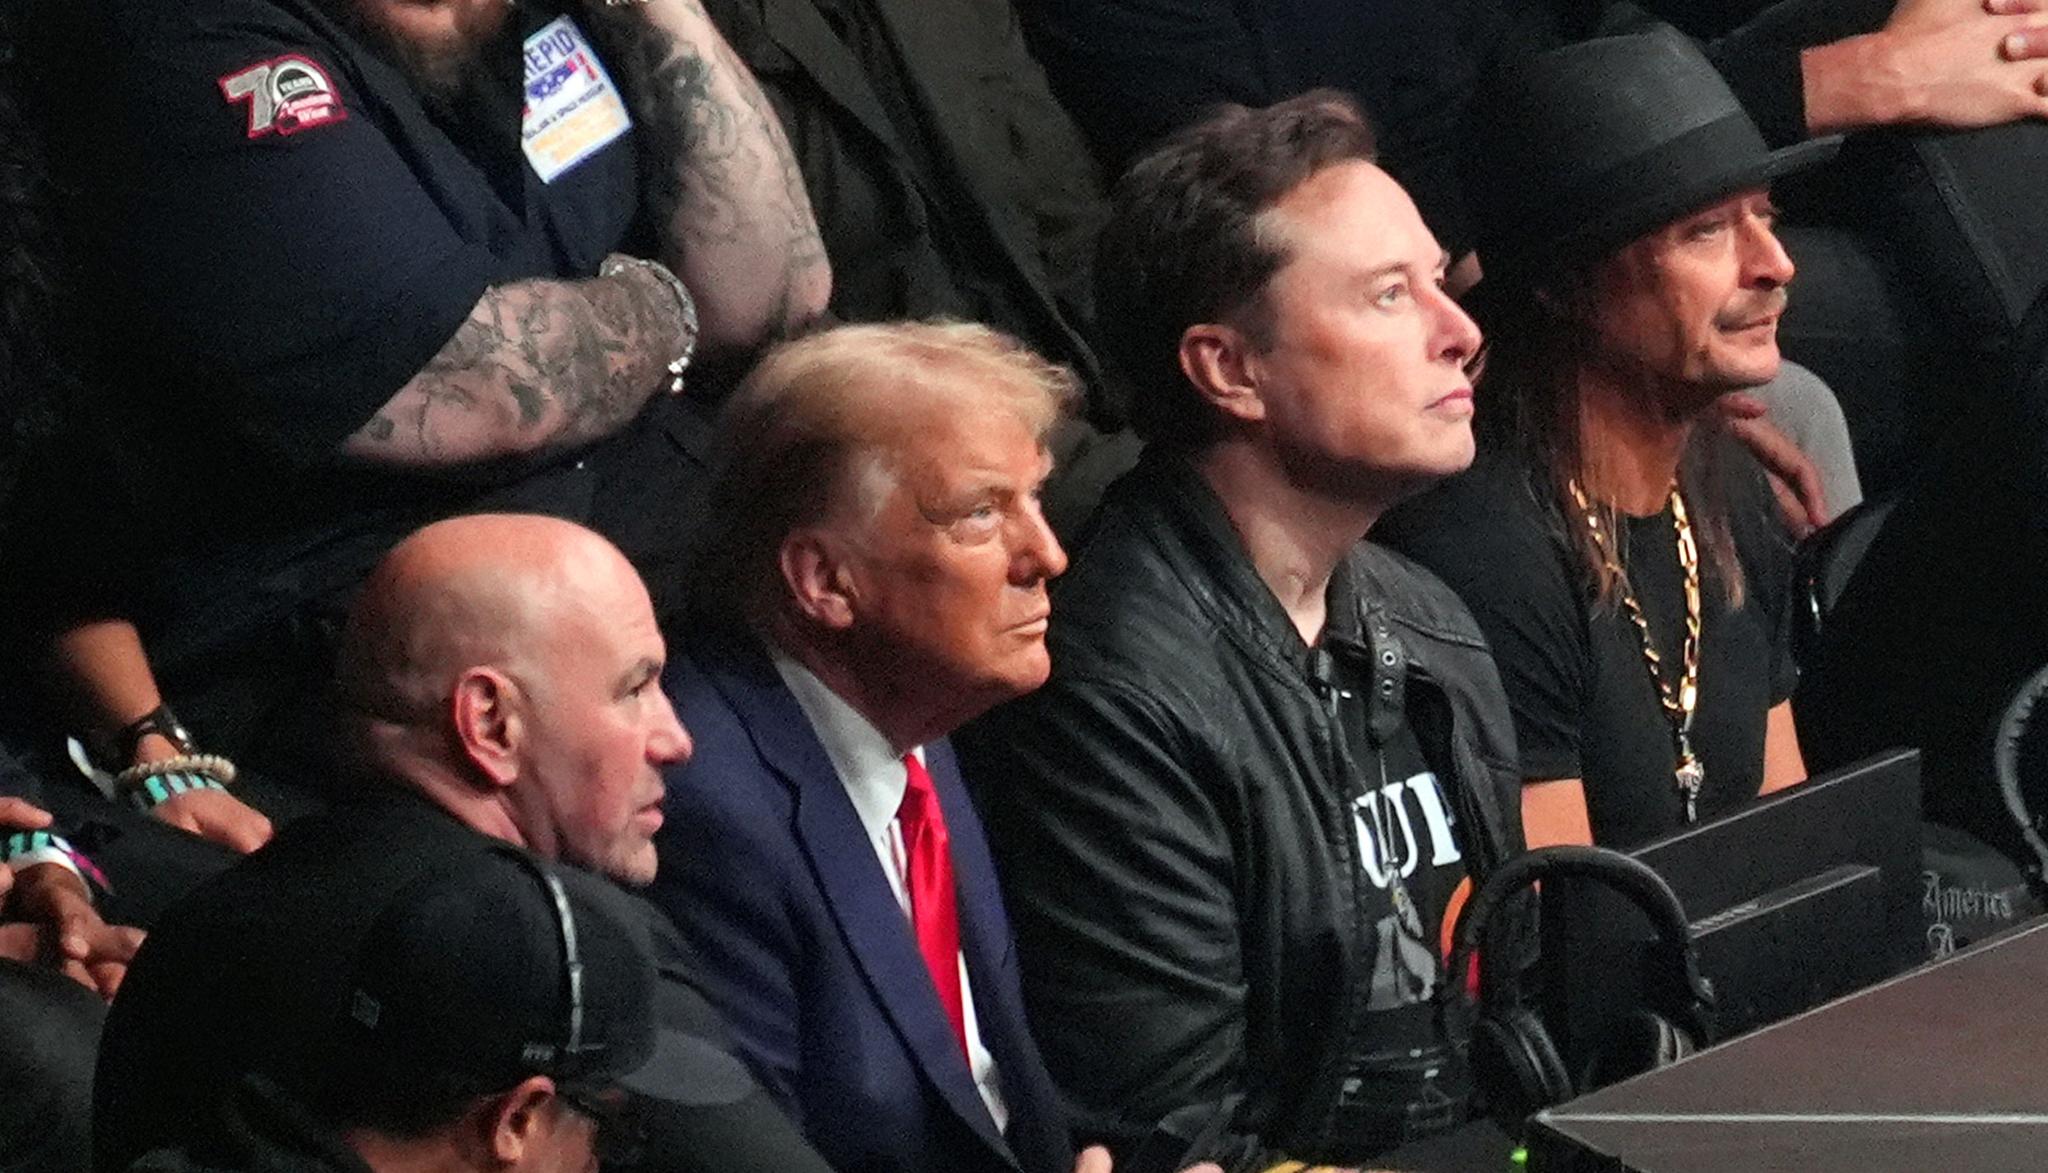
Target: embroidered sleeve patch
{"x":285,"y":95}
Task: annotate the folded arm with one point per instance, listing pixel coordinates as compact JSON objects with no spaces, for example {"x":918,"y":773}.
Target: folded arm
{"x":725,"y":188}
{"x":538,"y":367}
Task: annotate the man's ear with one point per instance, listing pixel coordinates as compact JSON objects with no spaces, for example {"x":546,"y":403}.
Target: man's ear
{"x":818,"y":577}
{"x":484,"y":713}
{"x":518,"y":1122}
{"x":1222,"y":365}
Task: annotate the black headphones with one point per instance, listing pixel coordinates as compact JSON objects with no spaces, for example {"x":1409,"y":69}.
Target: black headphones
{"x":1514,"y":1062}
{"x":2019,"y":755}
{"x":566,"y":1056}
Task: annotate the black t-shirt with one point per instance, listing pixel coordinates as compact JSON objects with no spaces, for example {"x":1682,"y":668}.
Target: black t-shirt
{"x":1405,"y":1080}
{"x":276,"y":235}
{"x":1574,"y":669}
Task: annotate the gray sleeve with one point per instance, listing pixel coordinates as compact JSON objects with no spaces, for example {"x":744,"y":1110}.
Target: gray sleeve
{"x":1806,"y":409}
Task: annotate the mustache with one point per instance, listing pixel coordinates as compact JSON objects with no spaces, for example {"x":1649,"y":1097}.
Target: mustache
{"x":1769,"y":305}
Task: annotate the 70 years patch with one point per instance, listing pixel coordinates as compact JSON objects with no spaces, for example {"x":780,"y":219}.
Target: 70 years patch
{"x":285,"y":94}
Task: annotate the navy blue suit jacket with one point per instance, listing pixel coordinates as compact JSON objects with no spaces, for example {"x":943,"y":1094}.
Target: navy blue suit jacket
{"x":767,"y":871}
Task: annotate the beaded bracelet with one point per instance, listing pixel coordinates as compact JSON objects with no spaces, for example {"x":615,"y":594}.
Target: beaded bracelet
{"x":149,"y":784}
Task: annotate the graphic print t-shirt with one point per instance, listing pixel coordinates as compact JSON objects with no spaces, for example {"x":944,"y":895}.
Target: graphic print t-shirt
{"x":1405,"y":1079}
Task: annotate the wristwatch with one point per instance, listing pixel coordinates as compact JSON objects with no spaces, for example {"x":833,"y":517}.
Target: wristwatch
{"x":160,"y":721}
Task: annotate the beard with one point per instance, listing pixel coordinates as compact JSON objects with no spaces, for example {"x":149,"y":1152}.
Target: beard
{"x":465,"y":77}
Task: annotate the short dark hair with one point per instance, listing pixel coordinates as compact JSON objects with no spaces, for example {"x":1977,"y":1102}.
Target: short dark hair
{"x":1183,"y":243}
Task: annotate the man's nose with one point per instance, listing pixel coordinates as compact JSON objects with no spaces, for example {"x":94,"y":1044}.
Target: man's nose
{"x":671,"y":744}
{"x":1769,"y":265}
{"x":1457,"y":335}
{"x":1039,"y":555}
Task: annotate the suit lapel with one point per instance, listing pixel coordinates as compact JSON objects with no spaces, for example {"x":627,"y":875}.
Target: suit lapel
{"x":984,"y":932}
{"x":862,"y":903}
{"x":1037,"y":1136}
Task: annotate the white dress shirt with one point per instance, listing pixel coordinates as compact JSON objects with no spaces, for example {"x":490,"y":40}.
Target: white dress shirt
{"x":875,"y":780}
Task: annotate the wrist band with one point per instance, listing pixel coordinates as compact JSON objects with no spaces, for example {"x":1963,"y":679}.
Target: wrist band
{"x":26,"y":849}
{"x":157,"y":789}
{"x":22,"y":844}
{"x":686,"y":306}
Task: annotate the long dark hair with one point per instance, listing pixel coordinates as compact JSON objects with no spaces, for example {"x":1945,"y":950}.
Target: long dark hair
{"x":1528,"y":398}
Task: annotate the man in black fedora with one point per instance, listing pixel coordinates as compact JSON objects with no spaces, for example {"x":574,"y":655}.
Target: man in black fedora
{"x":1621,"y":553}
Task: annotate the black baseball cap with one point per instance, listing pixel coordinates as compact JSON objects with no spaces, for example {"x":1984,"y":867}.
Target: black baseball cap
{"x":501,"y":967}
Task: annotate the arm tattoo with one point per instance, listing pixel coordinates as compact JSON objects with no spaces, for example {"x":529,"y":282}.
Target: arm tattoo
{"x":538,"y":367}
{"x":724,"y":183}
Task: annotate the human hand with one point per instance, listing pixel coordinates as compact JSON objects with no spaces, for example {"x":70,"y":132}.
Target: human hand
{"x":1956,"y":63}
{"x":63,"y":930}
{"x":1794,"y":479}
{"x":18,"y":815}
{"x":218,"y":816}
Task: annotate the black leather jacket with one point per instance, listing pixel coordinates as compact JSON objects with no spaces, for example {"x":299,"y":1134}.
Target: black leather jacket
{"x":1171,"y":820}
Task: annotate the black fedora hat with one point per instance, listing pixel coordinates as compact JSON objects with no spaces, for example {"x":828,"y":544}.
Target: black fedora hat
{"x":1579,"y":150}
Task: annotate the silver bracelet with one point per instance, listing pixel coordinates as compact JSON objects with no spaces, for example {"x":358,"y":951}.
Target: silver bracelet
{"x":686,"y":306}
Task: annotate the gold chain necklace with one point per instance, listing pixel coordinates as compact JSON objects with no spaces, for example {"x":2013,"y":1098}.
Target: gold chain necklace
{"x":1681,"y":702}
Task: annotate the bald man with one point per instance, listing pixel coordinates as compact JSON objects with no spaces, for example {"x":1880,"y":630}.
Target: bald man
{"x":507,"y":669}
{"x":498,"y":677}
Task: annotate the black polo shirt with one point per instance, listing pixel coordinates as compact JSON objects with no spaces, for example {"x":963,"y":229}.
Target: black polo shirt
{"x":278,"y":235}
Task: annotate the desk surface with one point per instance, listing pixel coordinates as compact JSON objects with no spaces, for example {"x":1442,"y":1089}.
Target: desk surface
{"x":1942,"y":1068}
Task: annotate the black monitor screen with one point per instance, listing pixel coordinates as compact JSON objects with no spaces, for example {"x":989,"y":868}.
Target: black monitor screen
{"x":1796,"y":898}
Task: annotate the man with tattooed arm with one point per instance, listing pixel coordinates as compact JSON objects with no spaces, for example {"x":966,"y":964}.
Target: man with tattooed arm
{"x":360,"y":264}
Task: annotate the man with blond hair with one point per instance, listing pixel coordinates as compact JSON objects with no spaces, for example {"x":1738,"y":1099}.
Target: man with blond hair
{"x":881,"y":570}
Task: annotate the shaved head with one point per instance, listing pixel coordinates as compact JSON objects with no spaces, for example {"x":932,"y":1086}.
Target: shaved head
{"x":469,"y":591}
{"x":508,"y":668}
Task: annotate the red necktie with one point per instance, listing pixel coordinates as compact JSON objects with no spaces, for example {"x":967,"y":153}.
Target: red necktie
{"x":932,"y":909}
